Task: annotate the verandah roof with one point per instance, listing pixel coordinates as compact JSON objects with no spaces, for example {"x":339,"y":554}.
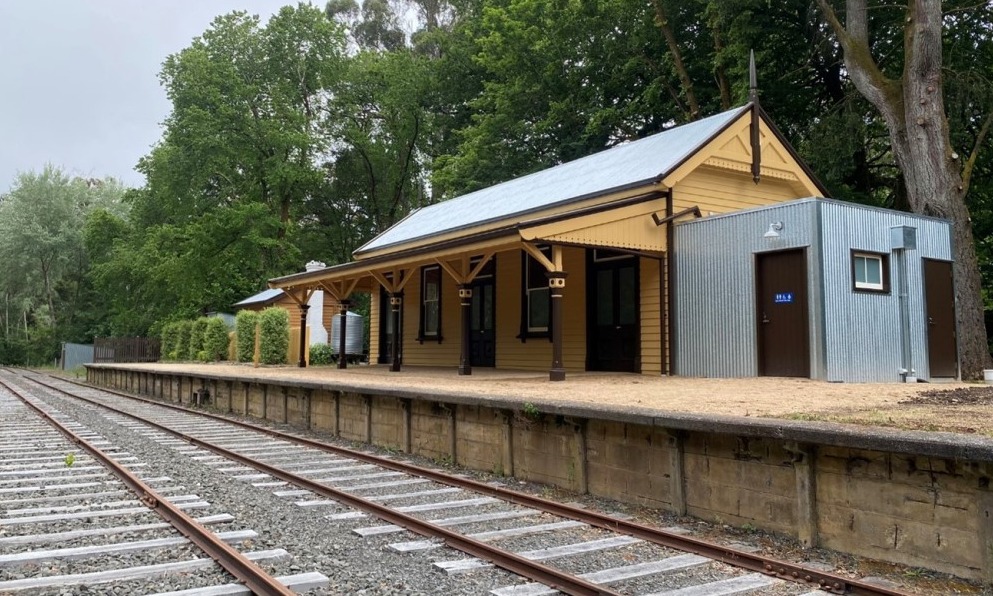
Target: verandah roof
{"x":263,"y":297}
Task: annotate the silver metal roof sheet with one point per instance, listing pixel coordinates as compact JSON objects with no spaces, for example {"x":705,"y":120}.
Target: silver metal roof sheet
{"x":630,"y":164}
{"x":261,"y":298}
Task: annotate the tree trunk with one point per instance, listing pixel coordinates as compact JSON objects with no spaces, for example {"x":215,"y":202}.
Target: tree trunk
{"x":914,"y":110}
{"x":677,"y":59}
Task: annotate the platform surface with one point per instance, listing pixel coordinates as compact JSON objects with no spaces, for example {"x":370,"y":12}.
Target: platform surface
{"x":961,"y":408}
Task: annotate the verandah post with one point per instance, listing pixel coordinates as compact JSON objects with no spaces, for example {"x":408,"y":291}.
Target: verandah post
{"x":556,"y":285}
{"x":303,"y":335}
{"x":343,"y":312}
{"x":396,"y":301}
{"x":465,"y":300}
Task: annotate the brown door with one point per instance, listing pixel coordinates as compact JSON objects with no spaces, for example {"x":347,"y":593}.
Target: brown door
{"x":783,"y":335}
{"x":939,"y":297}
{"x":613,"y":343}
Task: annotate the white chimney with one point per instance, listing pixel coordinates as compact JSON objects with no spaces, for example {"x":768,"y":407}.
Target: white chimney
{"x":315,"y":316}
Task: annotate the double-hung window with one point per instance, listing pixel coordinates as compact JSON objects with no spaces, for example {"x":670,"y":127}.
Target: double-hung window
{"x":430,"y":303}
{"x":870,"y":272}
{"x":536,"y":303}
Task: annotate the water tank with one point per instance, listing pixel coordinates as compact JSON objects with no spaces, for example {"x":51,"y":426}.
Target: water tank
{"x":353,"y":334}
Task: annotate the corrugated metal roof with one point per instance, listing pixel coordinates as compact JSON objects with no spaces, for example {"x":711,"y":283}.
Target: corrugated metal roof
{"x":627,"y":165}
{"x":261,"y":298}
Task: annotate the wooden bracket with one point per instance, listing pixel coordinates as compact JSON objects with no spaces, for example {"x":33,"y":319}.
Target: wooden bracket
{"x":540,"y":256}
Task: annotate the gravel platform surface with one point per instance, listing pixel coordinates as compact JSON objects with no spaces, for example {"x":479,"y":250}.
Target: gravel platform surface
{"x":904,"y":406}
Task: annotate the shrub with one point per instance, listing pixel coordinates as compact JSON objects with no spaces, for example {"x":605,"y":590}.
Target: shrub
{"x":321,"y":354}
{"x":274,"y":331}
{"x":181,"y":349}
{"x":169,"y":332}
{"x":244,"y":326}
{"x":215,"y":342}
{"x":196,"y":338}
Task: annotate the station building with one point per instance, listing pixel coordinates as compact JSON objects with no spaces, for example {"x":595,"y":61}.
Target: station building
{"x":702,"y":250}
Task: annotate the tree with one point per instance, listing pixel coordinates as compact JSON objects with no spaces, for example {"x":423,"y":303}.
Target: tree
{"x":45,"y":289}
{"x":241,"y":156}
{"x":560,"y":80}
{"x":909,"y":93}
{"x":379,"y":120}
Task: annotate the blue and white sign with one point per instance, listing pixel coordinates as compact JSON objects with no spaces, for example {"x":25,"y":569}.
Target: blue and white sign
{"x":783,"y":298}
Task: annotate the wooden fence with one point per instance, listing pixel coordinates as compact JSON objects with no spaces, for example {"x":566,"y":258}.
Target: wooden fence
{"x":126,"y":349}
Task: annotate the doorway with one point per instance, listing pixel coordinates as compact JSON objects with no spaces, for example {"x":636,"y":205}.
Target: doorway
{"x":782,"y":314}
{"x":482,"y":337}
{"x":613,"y":342}
{"x":939,"y":299}
{"x":386,"y":335}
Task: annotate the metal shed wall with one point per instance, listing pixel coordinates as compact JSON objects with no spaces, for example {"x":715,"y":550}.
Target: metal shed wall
{"x":74,"y":355}
{"x":715,"y":287}
{"x":862,"y":331}
{"x":854,"y":336}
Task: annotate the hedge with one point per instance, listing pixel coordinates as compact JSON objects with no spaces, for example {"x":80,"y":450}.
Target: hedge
{"x":196,"y":340}
{"x":180,"y":349}
{"x":215,"y":341}
{"x":244,"y":325}
{"x":274,"y":332}
{"x":321,"y":354}
{"x":169,"y":333}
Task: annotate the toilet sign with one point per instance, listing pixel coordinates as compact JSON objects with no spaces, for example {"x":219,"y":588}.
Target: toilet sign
{"x":783,"y":298}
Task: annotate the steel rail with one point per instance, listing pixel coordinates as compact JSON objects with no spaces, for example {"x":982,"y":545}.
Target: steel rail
{"x":564,"y":582}
{"x":793,"y":572}
{"x":225,"y":555}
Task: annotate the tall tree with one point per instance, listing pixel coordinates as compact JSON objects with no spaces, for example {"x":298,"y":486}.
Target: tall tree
{"x":241,"y":157}
{"x":560,"y":80}
{"x":44,"y":286}
{"x":906,"y":85}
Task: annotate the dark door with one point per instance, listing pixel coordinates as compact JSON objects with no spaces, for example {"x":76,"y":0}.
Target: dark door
{"x":613,"y":343}
{"x":939,"y":297}
{"x":386,"y":335}
{"x":482,"y":338}
{"x":783,"y":335}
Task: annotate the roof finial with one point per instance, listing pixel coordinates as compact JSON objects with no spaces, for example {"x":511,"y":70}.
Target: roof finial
{"x":755,"y":135}
{"x":753,"y":79}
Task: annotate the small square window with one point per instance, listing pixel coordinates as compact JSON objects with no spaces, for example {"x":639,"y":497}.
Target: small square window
{"x":870,"y":272}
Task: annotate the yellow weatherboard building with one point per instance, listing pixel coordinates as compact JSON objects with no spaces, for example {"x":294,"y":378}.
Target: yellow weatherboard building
{"x":564,"y":269}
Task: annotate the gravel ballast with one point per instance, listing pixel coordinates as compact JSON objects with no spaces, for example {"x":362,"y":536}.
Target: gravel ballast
{"x":358,"y":565}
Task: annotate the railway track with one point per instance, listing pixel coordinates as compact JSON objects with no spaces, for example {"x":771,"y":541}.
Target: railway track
{"x":58,"y":480}
{"x":548,"y":546}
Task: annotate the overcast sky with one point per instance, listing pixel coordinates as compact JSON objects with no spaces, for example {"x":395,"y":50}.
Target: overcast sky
{"x":79,"y":81}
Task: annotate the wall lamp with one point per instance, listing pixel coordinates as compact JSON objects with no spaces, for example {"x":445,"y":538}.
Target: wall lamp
{"x":774,"y":229}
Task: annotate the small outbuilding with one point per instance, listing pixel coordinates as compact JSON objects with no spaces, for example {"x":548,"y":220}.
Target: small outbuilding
{"x":815,"y":288}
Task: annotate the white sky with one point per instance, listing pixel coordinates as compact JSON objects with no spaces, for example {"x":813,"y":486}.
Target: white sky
{"x":79,"y":81}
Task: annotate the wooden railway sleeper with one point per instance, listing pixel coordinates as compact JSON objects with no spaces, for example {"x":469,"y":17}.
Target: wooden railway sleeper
{"x":225,"y":555}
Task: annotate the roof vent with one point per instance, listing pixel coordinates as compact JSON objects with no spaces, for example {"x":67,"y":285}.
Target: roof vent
{"x":315,"y":266}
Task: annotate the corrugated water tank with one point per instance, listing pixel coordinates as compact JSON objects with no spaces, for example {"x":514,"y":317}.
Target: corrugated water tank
{"x":354,"y":328}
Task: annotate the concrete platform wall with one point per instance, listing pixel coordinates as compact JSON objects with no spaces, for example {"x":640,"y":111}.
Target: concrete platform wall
{"x":929,"y":505}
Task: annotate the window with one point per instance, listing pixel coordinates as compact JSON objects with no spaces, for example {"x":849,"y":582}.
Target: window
{"x":870,"y":272}
{"x":601,"y":255}
{"x":430,"y":303}
{"x":536,"y":303}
